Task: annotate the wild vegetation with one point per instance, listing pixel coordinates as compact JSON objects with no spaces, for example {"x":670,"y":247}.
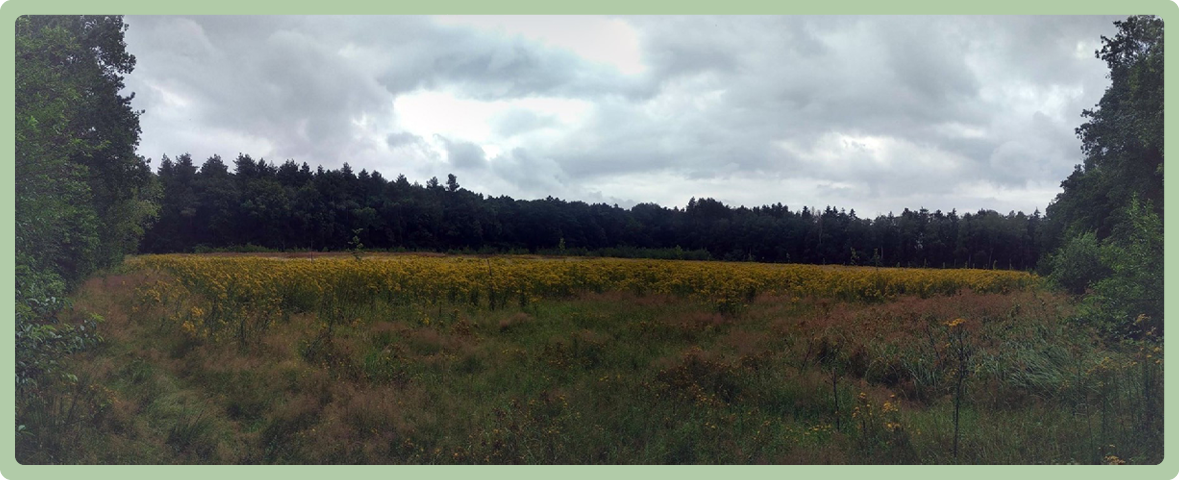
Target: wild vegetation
{"x":305,"y":358}
{"x":260,"y":290}
{"x":407,"y":359}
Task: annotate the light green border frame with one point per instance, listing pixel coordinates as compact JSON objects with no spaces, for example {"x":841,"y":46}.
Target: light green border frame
{"x":9,"y":11}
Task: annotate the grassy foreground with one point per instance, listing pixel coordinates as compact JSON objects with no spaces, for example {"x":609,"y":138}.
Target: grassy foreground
{"x":577,"y":372}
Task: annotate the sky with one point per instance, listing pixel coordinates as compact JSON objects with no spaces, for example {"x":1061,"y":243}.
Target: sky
{"x":875,"y":114}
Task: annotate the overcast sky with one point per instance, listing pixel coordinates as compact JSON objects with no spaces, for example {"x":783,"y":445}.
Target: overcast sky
{"x":874,"y":114}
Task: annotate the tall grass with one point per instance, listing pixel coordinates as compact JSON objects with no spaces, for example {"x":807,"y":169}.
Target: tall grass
{"x":593,"y":373}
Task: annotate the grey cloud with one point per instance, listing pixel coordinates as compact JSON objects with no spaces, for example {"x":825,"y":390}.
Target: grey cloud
{"x":517,"y":121}
{"x":397,"y":139}
{"x":259,"y":80}
{"x":490,"y":67}
{"x":533,"y":176}
{"x":462,"y":154}
{"x":993,"y":100}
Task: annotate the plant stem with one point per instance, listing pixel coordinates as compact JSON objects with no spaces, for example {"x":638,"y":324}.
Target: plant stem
{"x":835,"y":395}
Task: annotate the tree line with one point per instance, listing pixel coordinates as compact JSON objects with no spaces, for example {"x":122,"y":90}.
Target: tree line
{"x":289,"y":206}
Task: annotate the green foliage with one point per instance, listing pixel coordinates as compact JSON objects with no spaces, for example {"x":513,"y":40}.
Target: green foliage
{"x":354,"y":245}
{"x":1078,"y":264}
{"x":1128,"y":301}
{"x":82,"y":195}
{"x":1122,"y":138}
{"x":43,"y":345}
{"x":1108,"y":219}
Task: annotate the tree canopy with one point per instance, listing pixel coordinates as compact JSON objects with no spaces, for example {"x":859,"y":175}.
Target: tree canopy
{"x":82,"y":195}
{"x":1121,"y":139}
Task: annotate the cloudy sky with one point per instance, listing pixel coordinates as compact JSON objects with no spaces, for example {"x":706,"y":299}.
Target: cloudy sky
{"x":874,"y":114}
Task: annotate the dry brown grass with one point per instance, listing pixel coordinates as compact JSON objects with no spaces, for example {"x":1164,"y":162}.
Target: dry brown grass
{"x":515,"y":321}
{"x":609,"y":377}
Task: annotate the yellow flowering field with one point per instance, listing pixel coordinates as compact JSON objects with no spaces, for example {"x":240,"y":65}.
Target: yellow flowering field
{"x":424,"y":359}
{"x":250,"y":290}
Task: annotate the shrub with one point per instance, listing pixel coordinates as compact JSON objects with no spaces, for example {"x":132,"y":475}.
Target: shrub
{"x":1078,"y":264}
{"x":1131,"y":294}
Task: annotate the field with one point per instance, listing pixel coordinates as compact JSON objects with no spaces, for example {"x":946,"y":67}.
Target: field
{"x":439,"y":359}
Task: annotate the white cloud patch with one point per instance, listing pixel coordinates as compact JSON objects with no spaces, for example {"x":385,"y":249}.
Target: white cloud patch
{"x":874,"y":114}
{"x":597,"y":39}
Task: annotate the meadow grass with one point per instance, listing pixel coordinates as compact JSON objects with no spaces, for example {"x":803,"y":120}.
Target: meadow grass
{"x":597,"y":375}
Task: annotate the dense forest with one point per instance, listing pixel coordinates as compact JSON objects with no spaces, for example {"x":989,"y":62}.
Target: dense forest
{"x":291,"y":206}
{"x":85,"y":199}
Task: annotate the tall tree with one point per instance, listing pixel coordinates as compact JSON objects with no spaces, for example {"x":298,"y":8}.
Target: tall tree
{"x":82,"y":194}
{"x":1122,"y":139}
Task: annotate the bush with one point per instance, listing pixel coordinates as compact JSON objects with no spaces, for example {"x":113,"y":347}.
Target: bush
{"x":1079,"y":264}
{"x":1132,"y":293}
{"x":1123,"y":274}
